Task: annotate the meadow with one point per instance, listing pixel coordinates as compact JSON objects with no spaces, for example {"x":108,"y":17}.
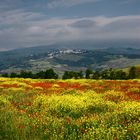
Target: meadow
{"x":69,"y":109}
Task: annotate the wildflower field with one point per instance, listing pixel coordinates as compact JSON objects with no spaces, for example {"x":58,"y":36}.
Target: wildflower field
{"x":69,"y":109}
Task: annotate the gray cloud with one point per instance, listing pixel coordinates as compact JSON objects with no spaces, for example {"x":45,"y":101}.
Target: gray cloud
{"x":67,"y":3}
{"x":86,"y":23}
{"x":23,"y":29}
{"x":123,"y":24}
{"x":13,"y":17}
{"x":125,"y":27}
{"x":128,"y":1}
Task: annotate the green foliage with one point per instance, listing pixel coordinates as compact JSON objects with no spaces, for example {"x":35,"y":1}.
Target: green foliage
{"x":72,"y":74}
{"x":50,"y":74}
{"x":88,"y":73}
{"x":132,"y":73}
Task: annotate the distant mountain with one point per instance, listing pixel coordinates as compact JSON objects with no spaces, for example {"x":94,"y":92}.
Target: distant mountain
{"x":70,"y":56}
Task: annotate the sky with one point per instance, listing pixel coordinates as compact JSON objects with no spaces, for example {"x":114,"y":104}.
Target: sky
{"x":27,"y":23}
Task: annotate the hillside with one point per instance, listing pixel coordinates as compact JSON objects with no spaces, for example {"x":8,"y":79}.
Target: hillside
{"x":68,"y":57}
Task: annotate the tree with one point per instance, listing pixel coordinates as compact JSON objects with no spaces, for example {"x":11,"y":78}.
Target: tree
{"x":120,"y":75}
{"x":96,"y":75}
{"x":5,"y":75}
{"x":13,"y":75}
{"x":25,"y":74}
{"x":105,"y":74}
{"x":72,"y":74}
{"x":66,"y":75}
{"x":22,"y":74}
{"x":112,"y":74}
{"x":50,"y":74}
{"x":80,"y":75}
{"x":40,"y":75}
{"x":88,"y":73}
{"x":132,"y":73}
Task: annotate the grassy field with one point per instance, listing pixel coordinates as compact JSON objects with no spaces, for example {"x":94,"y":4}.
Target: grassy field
{"x":69,"y":110}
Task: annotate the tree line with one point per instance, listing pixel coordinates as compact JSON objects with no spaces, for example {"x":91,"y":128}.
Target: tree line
{"x":110,"y":74}
{"x":48,"y":74}
{"x":88,"y":74}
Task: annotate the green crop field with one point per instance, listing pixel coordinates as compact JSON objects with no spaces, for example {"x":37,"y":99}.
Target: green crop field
{"x":69,"y":109}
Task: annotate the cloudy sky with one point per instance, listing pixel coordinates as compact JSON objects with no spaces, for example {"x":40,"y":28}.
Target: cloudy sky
{"x":26,"y":23}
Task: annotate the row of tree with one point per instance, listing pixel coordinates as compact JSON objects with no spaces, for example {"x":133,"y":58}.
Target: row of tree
{"x":105,"y":74}
{"x":88,"y":74}
{"x":48,"y":74}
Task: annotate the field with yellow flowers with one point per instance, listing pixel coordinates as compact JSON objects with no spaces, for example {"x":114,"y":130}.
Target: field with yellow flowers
{"x":69,"y":110}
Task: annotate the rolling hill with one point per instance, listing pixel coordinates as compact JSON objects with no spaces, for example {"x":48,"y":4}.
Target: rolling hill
{"x":62,"y":57}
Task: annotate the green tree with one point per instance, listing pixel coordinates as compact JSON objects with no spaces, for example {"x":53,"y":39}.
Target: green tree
{"x":5,"y":75}
{"x":66,"y":75}
{"x":96,"y":75}
{"x":71,"y":74}
{"x":25,"y":74}
{"x":50,"y":74}
{"x":40,"y":75}
{"x":88,"y":73}
{"x":13,"y":75}
{"x":105,"y":74}
{"x":80,"y":75}
{"x":132,"y":73}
